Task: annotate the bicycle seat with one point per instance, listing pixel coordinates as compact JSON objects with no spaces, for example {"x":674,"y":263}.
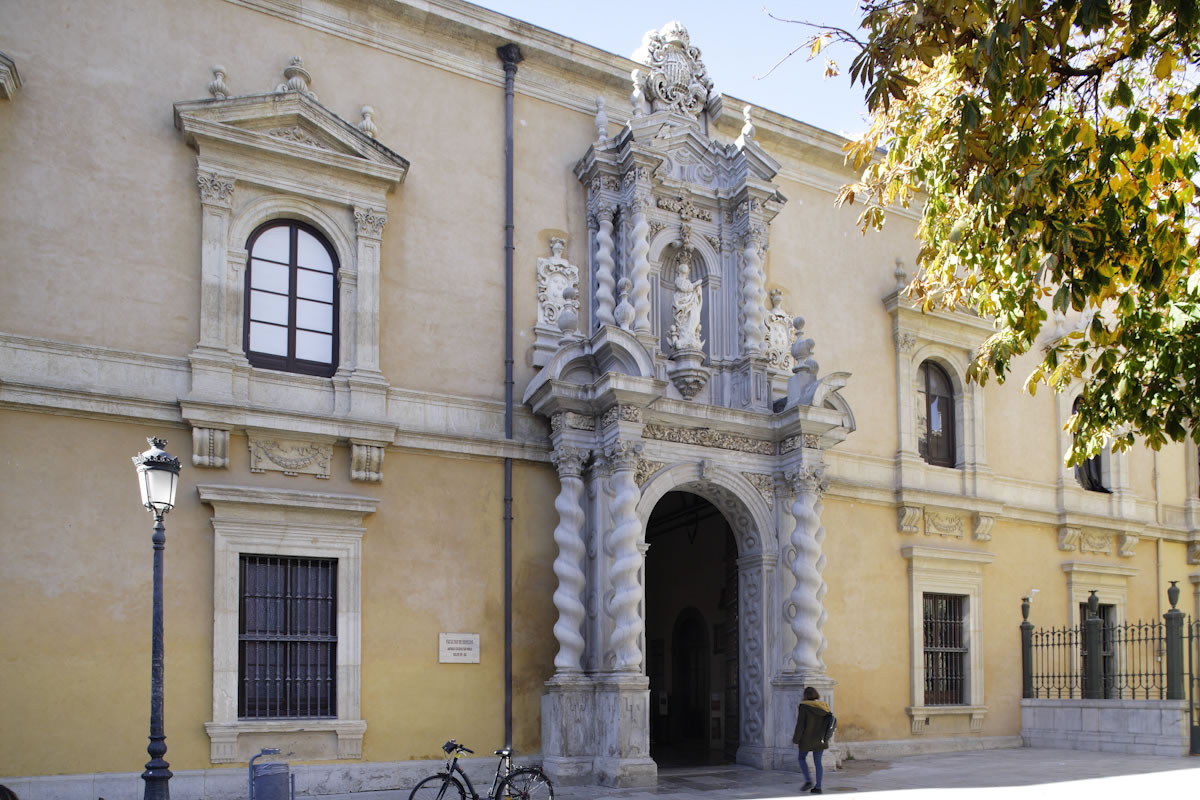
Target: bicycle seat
{"x":506,"y":752}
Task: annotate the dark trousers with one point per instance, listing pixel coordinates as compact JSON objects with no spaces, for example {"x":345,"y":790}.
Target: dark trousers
{"x":816,"y":762}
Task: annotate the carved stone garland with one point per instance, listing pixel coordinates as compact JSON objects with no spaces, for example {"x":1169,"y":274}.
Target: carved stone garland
{"x":569,"y":564}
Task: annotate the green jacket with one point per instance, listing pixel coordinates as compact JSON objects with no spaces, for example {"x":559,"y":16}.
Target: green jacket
{"x":810,"y":726}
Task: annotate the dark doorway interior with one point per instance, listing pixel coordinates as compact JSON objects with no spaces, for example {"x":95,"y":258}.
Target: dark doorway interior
{"x":691,"y":632}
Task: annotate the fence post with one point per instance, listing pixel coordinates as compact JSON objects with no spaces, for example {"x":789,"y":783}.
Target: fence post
{"x":1093,"y":684}
{"x":1026,"y":651}
{"x":1174,"y":628}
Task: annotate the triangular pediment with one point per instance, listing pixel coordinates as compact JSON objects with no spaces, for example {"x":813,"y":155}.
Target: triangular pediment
{"x":289,"y":125}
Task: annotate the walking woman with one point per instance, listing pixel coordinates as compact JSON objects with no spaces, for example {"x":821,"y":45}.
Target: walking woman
{"x":810,"y":736}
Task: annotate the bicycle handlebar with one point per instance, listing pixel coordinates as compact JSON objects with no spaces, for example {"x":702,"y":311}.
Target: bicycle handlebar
{"x":450,"y":746}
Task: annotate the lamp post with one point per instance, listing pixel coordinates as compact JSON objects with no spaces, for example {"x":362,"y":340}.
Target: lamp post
{"x":158,"y":478}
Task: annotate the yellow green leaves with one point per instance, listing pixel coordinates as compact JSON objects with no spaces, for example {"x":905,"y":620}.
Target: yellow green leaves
{"x":1058,"y":145}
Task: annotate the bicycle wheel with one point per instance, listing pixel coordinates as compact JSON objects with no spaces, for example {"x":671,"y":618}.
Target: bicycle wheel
{"x":438,"y":787}
{"x":526,"y":783}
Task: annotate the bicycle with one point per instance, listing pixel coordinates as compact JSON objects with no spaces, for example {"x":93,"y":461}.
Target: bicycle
{"x":509,"y":783}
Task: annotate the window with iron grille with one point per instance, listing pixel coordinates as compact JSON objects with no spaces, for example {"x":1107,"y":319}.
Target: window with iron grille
{"x":287,"y":637}
{"x":945,"y":649}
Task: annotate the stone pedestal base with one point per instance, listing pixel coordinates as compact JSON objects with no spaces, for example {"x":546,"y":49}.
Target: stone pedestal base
{"x":623,"y":732}
{"x":569,"y":730}
{"x":787,"y":692}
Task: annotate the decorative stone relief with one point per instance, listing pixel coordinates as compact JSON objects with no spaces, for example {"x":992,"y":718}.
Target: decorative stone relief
{"x":1126,"y":545}
{"x":298,"y":135}
{"x":291,"y":457}
{"x":750,"y":585}
{"x":981,"y":527}
{"x":569,"y":564}
{"x":296,"y":78}
{"x":214,"y":188}
{"x":619,"y":412}
{"x":1068,"y":537}
{"x":708,"y":438}
{"x":799,"y":440}
{"x":570,"y":419}
{"x":948,"y":525}
{"x":909,"y":519}
{"x":217,"y":87}
{"x":906,"y":342}
{"x":655,"y":228}
{"x":685,"y":208}
{"x":646,"y":469}
{"x":555,"y":276}
{"x":210,"y":448}
{"x":1090,"y":542}
{"x":780,"y":333}
{"x":677,"y":79}
{"x":765,"y":485}
{"x":369,"y":222}
{"x":624,"y":313}
{"x":366,"y":462}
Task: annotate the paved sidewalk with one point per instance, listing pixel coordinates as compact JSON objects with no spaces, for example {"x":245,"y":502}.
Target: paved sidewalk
{"x":1022,"y":773}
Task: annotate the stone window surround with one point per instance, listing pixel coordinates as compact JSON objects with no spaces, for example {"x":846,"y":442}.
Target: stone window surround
{"x":248,"y":176}
{"x":287,"y":523}
{"x":1114,"y":470}
{"x":1110,"y":581}
{"x":947,"y":339}
{"x":945,"y":570}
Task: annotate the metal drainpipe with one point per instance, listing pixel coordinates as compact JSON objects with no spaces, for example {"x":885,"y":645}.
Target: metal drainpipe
{"x":510,"y":54}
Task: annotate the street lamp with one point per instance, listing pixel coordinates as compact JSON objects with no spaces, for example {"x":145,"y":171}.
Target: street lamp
{"x":158,"y":478}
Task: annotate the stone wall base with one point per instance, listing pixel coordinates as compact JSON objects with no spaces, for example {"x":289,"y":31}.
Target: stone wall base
{"x":1136,"y":727}
{"x":919,"y":745}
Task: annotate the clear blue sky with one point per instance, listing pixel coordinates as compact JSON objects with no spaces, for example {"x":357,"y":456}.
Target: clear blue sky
{"x":737,"y":42}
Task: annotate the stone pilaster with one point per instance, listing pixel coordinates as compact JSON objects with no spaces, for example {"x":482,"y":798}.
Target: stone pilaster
{"x":623,"y":540}
{"x":808,"y":483}
{"x":569,"y":564}
{"x":606,"y":281}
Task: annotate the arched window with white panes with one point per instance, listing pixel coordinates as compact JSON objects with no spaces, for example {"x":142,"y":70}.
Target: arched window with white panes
{"x":291,"y":299}
{"x":935,"y":415}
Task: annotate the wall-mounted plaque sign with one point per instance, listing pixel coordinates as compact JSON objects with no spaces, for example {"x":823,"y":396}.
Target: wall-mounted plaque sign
{"x":458,"y":648}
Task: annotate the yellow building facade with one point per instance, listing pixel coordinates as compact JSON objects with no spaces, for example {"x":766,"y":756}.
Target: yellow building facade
{"x":294,"y":266}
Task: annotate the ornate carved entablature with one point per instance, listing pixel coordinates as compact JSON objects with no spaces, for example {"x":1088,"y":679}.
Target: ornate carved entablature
{"x":280,"y":154}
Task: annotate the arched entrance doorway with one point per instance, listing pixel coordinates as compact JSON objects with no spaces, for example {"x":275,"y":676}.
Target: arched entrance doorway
{"x":691,"y":632}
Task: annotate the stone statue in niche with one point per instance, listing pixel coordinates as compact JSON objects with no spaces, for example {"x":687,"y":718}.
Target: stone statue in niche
{"x":554,"y":276}
{"x":779,"y":334}
{"x":685,"y":308}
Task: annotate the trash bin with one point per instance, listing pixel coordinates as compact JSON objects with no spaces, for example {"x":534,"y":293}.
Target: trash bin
{"x":270,"y":781}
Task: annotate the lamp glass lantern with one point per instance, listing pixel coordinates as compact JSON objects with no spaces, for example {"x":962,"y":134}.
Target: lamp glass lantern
{"x":158,"y":477}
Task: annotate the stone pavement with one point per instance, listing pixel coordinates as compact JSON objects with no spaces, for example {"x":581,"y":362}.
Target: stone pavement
{"x":1022,"y":773}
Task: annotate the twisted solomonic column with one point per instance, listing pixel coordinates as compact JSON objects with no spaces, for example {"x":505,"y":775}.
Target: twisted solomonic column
{"x":606,"y":281}
{"x":568,"y":565}
{"x":808,"y":483}
{"x":754,"y":310}
{"x":639,"y":271}
{"x":623,"y":542}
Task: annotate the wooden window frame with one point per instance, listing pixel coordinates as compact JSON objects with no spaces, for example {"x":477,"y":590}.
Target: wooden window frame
{"x":290,"y":362}
{"x":950,"y":421}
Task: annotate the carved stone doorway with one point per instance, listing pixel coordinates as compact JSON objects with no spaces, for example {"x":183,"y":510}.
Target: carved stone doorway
{"x":691,"y":632}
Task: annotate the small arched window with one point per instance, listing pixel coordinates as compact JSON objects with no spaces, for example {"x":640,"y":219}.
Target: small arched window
{"x":291,"y":300}
{"x":1090,"y":473}
{"x":935,"y":415}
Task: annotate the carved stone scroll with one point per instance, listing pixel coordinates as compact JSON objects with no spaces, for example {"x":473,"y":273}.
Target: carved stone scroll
{"x":210,"y":448}
{"x":366,"y":462}
{"x":908,"y":519}
{"x":1068,"y":537}
{"x":982,"y":527}
{"x":1126,"y":545}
